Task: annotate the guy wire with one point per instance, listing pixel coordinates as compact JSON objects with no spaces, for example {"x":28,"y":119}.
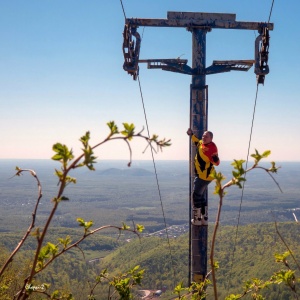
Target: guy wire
{"x":157,"y":182}
{"x":240,"y":209}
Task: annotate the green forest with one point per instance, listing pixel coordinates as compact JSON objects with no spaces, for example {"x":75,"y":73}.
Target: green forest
{"x":243,"y":255}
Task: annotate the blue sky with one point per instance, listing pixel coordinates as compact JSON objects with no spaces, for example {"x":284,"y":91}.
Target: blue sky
{"x":61,"y":74}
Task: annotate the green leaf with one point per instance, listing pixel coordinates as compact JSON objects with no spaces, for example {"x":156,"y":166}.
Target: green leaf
{"x":266,"y":153}
{"x":36,"y":233}
{"x":85,"y":139}
{"x":179,"y":288}
{"x":59,"y":174}
{"x":56,"y":157}
{"x":216,"y":265}
{"x":235,"y":174}
{"x":63,"y":154}
{"x":281,"y":257}
{"x":273,"y":168}
{"x":52,"y":248}
{"x":57,"y":200}
{"x":85,"y":224}
{"x":125,"y":227}
{"x":65,"y":242}
{"x":134,"y":269}
{"x":113,"y":128}
{"x":80,"y":221}
{"x":284,"y":276}
{"x":140,"y":228}
{"x":70,"y":179}
{"x":89,"y":158}
{"x":128,"y":131}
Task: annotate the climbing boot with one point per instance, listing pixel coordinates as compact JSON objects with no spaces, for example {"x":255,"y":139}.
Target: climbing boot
{"x":196,"y":217}
{"x":205,"y":216}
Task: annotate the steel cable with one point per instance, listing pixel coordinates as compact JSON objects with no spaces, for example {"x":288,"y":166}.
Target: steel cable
{"x":157,"y":182}
{"x":249,"y":144}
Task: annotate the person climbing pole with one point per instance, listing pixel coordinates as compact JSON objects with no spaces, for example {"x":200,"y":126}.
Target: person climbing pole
{"x":205,"y":159}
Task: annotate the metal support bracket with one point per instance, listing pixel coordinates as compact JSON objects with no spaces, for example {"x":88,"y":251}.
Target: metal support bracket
{"x":220,"y":66}
{"x":173,"y":65}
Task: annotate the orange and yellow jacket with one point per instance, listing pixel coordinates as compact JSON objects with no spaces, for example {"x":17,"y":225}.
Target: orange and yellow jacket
{"x":204,"y":161}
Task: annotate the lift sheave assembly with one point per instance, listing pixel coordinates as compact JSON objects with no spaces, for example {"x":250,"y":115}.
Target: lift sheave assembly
{"x":205,"y":21}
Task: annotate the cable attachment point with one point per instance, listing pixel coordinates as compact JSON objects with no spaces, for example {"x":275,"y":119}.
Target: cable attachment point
{"x":262,"y":54}
{"x":131,"y":50}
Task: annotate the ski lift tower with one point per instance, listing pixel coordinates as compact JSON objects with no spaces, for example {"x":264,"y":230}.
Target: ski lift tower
{"x":199,"y":24}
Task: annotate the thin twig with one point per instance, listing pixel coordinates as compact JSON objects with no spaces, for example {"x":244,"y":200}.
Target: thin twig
{"x":286,"y":245}
{"x":32,"y":224}
{"x":213,"y":248}
{"x":269,"y":173}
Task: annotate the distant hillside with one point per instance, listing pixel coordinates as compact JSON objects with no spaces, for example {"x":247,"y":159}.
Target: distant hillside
{"x":10,"y":240}
{"x":114,"y":193}
{"x":125,"y":172}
